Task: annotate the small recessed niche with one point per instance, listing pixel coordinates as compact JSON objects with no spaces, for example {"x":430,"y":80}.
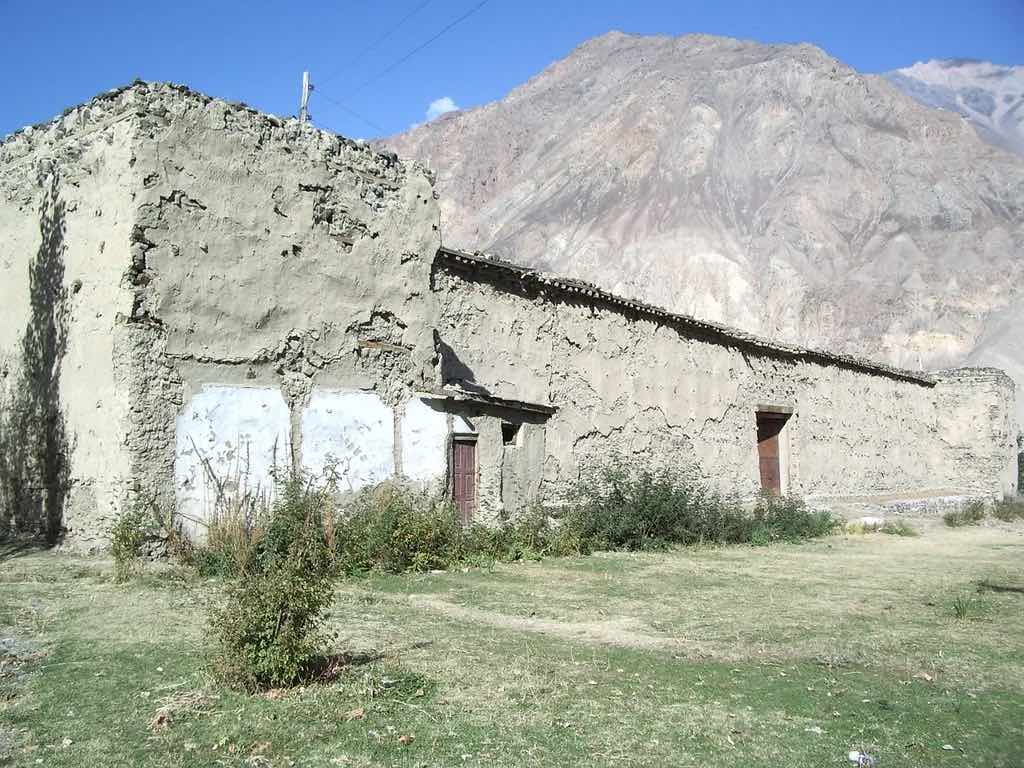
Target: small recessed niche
{"x":510,"y":433}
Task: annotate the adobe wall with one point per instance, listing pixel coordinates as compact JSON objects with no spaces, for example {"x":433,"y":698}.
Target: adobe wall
{"x":204,"y":296}
{"x":631,"y":385}
{"x":283,"y":276}
{"x":65,"y":219}
{"x":977,"y":429}
{"x":242,"y":294}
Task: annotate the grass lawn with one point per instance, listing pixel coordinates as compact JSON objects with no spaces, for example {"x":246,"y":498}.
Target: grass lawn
{"x":793,"y":655}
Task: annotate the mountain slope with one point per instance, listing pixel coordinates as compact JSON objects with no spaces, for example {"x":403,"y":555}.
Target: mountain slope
{"x":989,"y":95}
{"x":769,"y":187}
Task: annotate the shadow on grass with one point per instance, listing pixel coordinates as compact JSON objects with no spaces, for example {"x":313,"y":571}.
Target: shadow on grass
{"x":19,"y":546}
{"x":330,"y":667}
{"x":987,"y":585}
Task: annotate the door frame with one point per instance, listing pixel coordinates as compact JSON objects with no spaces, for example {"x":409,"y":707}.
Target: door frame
{"x":465,"y":438}
{"x":778,"y":413}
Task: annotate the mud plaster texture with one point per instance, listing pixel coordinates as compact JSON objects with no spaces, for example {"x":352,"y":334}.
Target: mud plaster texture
{"x":209,"y":248}
{"x":657,"y":392}
{"x":213,"y":244}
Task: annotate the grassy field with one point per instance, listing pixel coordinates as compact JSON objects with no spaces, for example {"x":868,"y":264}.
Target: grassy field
{"x":793,"y":655}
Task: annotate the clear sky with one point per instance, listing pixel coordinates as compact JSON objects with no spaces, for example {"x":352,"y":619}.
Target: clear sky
{"x":57,"y":54}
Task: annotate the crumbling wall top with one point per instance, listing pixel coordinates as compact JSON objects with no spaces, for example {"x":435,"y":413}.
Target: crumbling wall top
{"x":476,"y":263}
{"x":150,"y":101}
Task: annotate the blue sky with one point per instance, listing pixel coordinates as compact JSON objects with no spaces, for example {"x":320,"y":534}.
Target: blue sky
{"x":56,"y":55}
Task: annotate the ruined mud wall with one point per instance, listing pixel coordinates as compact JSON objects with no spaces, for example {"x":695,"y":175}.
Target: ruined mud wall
{"x":977,"y":429}
{"x":281,"y":279}
{"x":65,"y":219}
{"x":628,"y":384}
{"x":219,"y":292}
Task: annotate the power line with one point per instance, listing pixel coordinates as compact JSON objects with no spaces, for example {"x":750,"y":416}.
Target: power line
{"x":391,"y":67}
{"x":352,"y":112}
{"x":394,"y":28}
{"x":394,"y":65}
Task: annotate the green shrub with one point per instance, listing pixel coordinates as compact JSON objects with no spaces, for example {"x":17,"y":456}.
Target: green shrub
{"x":616,"y":508}
{"x":392,"y":528}
{"x":785,"y":518}
{"x":968,"y":608}
{"x":1009,"y":509}
{"x":268,"y":631}
{"x":130,"y":532}
{"x":971,"y":514}
{"x":637,"y":510}
{"x":899,"y":528}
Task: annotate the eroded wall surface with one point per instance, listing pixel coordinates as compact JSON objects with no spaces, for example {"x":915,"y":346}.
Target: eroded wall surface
{"x":207,"y":248}
{"x":65,"y":377}
{"x":628,"y":385}
{"x":977,"y":429}
{"x":270,"y":255}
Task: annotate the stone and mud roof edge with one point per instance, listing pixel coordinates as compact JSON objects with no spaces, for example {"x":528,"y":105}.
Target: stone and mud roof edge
{"x":480,"y":262}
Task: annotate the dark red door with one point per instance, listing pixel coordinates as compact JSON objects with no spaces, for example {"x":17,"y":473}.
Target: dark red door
{"x":464,"y":477}
{"x":769,"y":425}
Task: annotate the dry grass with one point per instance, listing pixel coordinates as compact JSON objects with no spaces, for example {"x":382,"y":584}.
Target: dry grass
{"x":790,"y":655}
{"x":179,"y":705}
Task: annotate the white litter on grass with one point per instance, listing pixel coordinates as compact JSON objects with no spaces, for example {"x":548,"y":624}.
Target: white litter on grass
{"x":861,"y":759}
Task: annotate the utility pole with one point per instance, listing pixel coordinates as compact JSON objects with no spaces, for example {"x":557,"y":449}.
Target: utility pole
{"x":304,"y":104}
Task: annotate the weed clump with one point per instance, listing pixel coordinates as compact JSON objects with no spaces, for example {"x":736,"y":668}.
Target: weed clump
{"x":394,"y":528}
{"x":268,"y":631}
{"x":1008,"y":509}
{"x":899,"y":528}
{"x":638,"y":510}
{"x":130,"y":532}
{"x":971,"y":514}
{"x":967,"y":608}
{"x":786,"y":518}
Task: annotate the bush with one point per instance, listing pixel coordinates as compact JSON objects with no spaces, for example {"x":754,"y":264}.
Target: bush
{"x":784,"y":518}
{"x":620,"y":509}
{"x":615,"y":508}
{"x":899,"y":528}
{"x":1009,"y":509}
{"x":268,"y":632}
{"x":392,"y":528}
{"x":972,"y":514}
{"x":395,"y":529}
{"x":130,"y":532}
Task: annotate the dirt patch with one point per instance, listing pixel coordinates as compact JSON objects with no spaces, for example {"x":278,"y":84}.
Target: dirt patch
{"x":623,"y":631}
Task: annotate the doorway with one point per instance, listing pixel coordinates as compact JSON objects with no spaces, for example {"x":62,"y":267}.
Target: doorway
{"x":769,"y":450}
{"x":464,"y":475}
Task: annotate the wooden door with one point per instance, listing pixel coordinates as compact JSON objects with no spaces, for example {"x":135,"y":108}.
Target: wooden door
{"x":769,"y":425}
{"x":464,"y":477}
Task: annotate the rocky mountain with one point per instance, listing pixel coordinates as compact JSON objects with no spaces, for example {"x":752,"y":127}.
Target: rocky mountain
{"x":765,"y":186}
{"x":989,"y":95}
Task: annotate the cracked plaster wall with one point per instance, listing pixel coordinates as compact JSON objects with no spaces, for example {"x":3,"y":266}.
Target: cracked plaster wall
{"x":631,"y":386}
{"x":269,"y":254}
{"x":214,"y":245}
